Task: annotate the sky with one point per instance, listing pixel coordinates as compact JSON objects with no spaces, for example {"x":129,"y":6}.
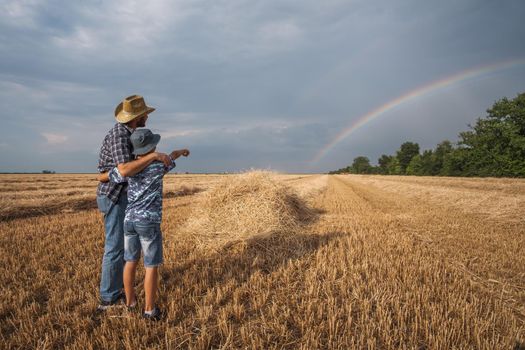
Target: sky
{"x":249,"y":84}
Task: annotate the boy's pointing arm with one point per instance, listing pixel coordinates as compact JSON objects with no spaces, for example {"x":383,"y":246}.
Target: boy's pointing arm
{"x":176,"y":154}
{"x":180,"y":152}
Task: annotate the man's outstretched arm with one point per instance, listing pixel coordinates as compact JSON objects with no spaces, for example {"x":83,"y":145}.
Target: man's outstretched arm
{"x":127,"y":166}
{"x":135,"y":166}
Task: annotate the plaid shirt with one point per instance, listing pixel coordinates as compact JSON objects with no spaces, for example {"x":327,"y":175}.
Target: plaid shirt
{"x":116,"y":149}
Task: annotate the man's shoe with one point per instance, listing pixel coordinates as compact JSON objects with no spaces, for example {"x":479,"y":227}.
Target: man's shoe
{"x":156,"y":315}
{"x":104,"y":305}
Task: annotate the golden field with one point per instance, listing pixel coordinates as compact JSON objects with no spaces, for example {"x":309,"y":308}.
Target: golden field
{"x":380,"y":263}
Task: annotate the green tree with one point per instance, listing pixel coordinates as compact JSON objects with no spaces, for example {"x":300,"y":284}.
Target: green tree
{"x":393,"y":167}
{"x":421,"y":164}
{"x":405,"y":154}
{"x":361,"y":165}
{"x":495,"y":145}
{"x":454,"y":163}
{"x":341,"y":171}
{"x":443,"y":150}
{"x":383,"y":162}
{"x":428,"y":163}
{"x":414,"y":167}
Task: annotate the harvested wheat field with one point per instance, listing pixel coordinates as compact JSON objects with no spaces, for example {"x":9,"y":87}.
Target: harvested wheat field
{"x":266,"y":261}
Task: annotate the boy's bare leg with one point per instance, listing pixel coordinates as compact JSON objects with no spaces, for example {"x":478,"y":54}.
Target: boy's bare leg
{"x":150,"y":287}
{"x":129,"y":282}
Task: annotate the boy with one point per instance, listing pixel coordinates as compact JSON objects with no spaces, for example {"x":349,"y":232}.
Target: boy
{"x":143,"y":218}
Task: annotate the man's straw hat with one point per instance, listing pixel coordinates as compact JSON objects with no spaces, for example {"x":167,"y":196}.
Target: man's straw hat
{"x":132,"y":107}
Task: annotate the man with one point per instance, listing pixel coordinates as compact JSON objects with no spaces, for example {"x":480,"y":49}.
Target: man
{"x":116,"y":151}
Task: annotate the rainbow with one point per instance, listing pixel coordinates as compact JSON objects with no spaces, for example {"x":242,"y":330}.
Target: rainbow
{"x":411,"y":95}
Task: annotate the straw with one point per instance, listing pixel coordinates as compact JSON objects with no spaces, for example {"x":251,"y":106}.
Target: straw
{"x":245,"y":206}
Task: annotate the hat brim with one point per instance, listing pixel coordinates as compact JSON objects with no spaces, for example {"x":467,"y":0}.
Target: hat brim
{"x":147,"y":148}
{"x":125,"y":117}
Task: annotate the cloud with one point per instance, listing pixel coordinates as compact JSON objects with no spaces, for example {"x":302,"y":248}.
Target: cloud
{"x":246,"y":83}
{"x":181,"y":133}
{"x":54,"y":139}
{"x":20,"y":13}
{"x":127,"y":28}
{"x":132,"y":30}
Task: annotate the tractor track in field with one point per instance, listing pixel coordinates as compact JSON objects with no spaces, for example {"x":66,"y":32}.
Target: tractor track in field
{"x":438,"y":232}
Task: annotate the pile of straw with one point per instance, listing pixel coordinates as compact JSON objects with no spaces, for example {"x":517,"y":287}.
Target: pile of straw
{"x":245,"y":206}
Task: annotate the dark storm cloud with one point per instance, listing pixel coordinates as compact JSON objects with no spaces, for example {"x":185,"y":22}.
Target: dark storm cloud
{"x":243,"y":83}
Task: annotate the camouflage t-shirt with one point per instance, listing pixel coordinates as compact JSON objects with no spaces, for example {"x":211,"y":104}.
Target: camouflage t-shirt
{"x":144,"y":192}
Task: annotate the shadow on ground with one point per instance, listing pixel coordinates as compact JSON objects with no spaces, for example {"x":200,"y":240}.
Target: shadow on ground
{"x":218,"y":279}
{"x":183,"y":191}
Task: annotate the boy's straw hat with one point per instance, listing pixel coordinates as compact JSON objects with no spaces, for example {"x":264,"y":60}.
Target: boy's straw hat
{"x":132,"y":107}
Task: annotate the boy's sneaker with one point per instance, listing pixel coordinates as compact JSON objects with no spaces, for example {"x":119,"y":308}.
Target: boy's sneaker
{"x":155,"y":315}
{"x":104,"y":305}
{"x":131,"y":308}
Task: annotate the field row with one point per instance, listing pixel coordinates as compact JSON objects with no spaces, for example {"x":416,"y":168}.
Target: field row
{"x":381,"y":262}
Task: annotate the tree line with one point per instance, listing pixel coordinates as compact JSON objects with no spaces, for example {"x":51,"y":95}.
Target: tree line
{"x":494,"y":146}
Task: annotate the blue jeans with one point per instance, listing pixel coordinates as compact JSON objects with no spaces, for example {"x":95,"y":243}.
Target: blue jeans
{"x":145,"y":237}
{"x":111,"y":283}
